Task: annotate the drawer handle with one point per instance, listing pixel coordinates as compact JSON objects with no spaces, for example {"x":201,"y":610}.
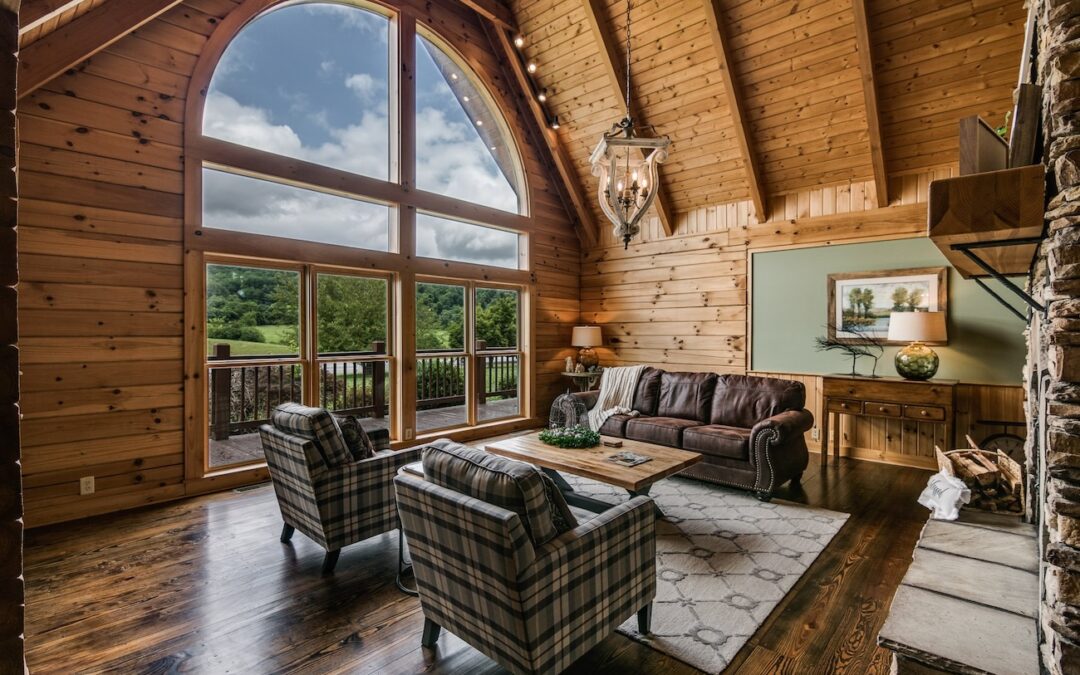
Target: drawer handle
{"x":843,"y":405}
{"x":923,"y":413}
{"x":881,"y":408}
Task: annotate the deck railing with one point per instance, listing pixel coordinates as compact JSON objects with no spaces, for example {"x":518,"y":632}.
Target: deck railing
{"x":242,"y":397}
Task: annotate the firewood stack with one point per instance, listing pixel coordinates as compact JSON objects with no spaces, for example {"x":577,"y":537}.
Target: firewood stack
{"x":995,"y":479}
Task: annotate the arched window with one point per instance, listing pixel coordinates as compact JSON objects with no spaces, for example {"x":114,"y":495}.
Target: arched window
{"x":359,"y":236}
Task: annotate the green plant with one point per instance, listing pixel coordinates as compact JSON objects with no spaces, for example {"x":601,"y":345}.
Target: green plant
{"x":1003,"y":130}
{"x":574,"y":437}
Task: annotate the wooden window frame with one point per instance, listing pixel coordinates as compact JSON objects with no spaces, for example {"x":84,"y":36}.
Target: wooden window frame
{"x":400,"y":263}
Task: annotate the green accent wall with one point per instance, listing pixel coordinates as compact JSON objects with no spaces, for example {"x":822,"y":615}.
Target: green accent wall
{"x":789,"y":304}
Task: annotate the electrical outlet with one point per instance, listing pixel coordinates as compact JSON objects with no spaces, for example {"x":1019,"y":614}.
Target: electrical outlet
{"x":408,"y":433}
{"x":815,"y":434}
{"x":86,"y":485}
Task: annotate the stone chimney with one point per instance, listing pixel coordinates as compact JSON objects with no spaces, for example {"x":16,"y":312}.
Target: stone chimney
{"x":1054,"y":349}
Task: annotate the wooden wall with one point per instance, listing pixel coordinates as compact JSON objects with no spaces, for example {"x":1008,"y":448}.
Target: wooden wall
{"x":12,"y":596}
{"x":102,"y":264}
{"x":681,"y":302}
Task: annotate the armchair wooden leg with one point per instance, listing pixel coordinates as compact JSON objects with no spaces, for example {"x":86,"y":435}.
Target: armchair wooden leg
{"x":287,"y":533}
{"x":644,"y":619}
{"x":330,"y":561}
{"x":431,"y":633}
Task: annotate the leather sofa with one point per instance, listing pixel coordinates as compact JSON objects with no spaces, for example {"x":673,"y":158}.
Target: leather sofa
{"x":750,"y":430}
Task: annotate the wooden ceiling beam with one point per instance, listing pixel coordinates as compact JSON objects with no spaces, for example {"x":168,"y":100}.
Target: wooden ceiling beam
{"x":758,"y":195}
{"x":33,"y":13}
{"x":494,"y":11}
{"x":614,"y":67}
{"x":567,"y":181}
{"x":77,"y":41}
{"x":869,"y":91}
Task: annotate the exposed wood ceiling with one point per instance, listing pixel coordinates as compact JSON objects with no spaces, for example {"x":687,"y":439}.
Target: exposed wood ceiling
{"x":803,"y":86}
{"x":796,"y":69}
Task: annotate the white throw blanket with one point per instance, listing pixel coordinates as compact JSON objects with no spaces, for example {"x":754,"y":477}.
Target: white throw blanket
{"x":617,"y":387}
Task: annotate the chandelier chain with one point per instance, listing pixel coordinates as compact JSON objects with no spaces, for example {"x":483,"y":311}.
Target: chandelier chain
{"x":629,"y":6}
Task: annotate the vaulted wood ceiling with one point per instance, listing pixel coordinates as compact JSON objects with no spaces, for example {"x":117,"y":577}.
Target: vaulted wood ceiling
{"x":795,"y":72}
{"x":770,"y":97}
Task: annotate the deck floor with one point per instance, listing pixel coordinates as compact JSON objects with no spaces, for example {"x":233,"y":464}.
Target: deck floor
{"x":247,"y":447}
{"x":204,"y":586}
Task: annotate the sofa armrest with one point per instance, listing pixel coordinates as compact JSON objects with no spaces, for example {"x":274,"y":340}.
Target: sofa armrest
{"x":609,"y":559}
{"x":588,"y":397}
{"x":778,"y":449}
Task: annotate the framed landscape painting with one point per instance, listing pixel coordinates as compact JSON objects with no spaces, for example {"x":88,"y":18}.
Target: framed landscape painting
{"x":861,"y":302}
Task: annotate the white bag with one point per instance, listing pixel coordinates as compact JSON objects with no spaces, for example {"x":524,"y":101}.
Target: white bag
{"x":944,"y":495}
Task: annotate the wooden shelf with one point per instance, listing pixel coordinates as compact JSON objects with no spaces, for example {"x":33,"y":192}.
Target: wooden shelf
{"x":980,"y":209}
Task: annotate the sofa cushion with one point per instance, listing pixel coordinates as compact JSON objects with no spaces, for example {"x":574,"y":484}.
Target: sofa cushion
{"x":745,"y":400}
{"x":647,"y":393}
{"x":356,"y":438}
{"x":660,"y":430}
{"x":719,"y":441}
{"x":686,"y":395}
{"x":316,"y":425}
{"x":506,"y":483}
{"x":616,"y":426}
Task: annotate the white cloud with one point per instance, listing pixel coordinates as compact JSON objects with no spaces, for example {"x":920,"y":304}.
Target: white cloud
{"x":451,"y":161}
{"x":365,"y":86}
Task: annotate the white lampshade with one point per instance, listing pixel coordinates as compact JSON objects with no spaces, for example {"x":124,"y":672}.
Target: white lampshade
{"x":587,"y":336}
{"x":917,"y":327}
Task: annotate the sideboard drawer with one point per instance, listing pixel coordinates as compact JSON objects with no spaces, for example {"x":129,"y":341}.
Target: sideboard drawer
{"x":924,"y":412}
{"x":880,"y":409}
{"x":844,"y":406}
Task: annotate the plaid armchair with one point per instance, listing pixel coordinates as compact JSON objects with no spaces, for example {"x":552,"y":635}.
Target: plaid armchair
{"x":333,"y":505}
{"x":531,"y":609}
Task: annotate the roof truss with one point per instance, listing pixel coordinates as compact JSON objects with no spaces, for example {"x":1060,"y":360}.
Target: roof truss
{"x":33,"y":13}
{"x":869,"y":90}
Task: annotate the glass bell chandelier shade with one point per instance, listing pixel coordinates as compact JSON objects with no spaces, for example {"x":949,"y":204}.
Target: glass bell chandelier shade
{"x":627,"y":166}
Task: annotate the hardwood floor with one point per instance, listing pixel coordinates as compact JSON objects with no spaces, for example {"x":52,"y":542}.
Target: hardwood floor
{"x":203,"y":585}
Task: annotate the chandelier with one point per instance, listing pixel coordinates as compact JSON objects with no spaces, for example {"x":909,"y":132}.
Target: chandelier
{"x":627,"y":164}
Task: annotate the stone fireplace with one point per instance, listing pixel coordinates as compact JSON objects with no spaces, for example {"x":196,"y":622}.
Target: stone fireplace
{"x":1053,"y":370}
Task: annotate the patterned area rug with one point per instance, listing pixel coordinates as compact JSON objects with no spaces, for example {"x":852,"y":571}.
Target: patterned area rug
{"x":724,"y":560}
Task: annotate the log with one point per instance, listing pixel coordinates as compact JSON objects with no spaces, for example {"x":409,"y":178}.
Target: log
{"x":970,"y":468}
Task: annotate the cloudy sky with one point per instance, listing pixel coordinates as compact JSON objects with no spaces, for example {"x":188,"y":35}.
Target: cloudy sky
{"x":311,"y":81}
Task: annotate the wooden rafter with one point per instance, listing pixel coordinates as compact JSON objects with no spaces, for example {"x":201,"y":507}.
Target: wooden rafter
{"x":869,"y":90}
{"x":494,"y":11}
{"x":82,"y":38}
{"x":33,"y":13}
{"x":758,"y":195}
{"x":564,"y":165}
{"x":611,"y":60}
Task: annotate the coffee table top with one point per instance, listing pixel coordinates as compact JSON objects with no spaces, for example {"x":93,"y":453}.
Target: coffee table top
{"x":593,"y":462}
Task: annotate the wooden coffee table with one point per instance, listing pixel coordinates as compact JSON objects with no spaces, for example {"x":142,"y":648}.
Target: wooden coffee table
{"x":593,"y":463}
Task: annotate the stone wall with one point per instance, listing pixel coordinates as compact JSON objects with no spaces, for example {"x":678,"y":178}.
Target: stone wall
{"x":1055,"y":339}
{"x":11,"y":525}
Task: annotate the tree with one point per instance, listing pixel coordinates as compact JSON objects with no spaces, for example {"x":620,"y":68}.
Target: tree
{"x":855,"y":301}
{"x":915,"y":298}
{"x":899,"y":299}
{"x":867,"y":301}
{"x":351,"y":313}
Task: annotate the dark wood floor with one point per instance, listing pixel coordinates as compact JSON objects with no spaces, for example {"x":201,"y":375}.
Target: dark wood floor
{"x":204,"y":585}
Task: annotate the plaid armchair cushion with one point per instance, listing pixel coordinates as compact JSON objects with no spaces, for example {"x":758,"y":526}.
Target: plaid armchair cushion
{"x":508,"y":484}
{"x":316,"y":425}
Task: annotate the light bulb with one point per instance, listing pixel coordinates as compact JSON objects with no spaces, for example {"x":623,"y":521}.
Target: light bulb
{"x":555,"y":122}
{"x":531,"y":66}
{"x":542,"y":96}
{"x":453,"y":76}
{"x":465,"y":98}
{"x":519,"y":41}
{"x":479,"y":123}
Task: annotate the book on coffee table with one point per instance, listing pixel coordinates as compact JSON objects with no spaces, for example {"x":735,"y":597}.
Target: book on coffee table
{"x":627,"y":458}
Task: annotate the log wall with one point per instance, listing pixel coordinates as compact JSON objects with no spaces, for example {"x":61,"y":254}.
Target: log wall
{"x":103,"y":264}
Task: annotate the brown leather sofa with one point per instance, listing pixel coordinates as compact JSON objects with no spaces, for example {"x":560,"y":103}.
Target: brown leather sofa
{"x":749,"y":429}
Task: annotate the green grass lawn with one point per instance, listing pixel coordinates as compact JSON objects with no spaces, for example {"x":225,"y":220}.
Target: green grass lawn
{"x":274,"y":345}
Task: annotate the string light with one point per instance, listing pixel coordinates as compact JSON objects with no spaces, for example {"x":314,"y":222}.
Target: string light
{"x":531,"y":66}
{"x":555,"y":122}
{"x":542,"y":96}
{"x":519,"y":41}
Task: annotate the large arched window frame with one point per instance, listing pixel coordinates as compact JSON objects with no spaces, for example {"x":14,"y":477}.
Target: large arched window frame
{"x":400,"y":265}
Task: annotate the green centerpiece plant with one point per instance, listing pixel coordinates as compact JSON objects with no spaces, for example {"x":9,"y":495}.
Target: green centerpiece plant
{"x":572,"y":437}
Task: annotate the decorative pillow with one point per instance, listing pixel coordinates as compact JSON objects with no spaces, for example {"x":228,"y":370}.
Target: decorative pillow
{"x":356,"y":438}
{"x":316,"y":425}
{"x":506,"y":483}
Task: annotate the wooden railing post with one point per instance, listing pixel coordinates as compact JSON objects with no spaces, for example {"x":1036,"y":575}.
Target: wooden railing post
{"x":481,"y":373}
{"x":221,"y":408}
{"x":378,"y":380}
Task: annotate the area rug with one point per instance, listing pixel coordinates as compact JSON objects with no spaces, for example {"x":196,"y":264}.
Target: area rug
{"x":724,"y":561}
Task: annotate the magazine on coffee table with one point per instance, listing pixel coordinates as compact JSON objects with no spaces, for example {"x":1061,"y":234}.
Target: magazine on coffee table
{"x":627,"y":458}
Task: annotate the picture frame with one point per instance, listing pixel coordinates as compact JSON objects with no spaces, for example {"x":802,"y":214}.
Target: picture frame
{"x":877,"y":294}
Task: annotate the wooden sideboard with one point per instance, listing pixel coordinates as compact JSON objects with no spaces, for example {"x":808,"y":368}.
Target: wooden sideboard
{"x":931,"y":401}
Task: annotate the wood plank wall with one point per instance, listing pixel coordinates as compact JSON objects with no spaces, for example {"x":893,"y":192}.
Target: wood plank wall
{"x":12,"y":595}
{"x":681,"y":302}
{"x":102,"y":264}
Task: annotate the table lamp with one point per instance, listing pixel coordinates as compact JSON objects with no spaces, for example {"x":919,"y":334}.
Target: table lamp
{"x":917,"y":361}
{"x":587,"y":337}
